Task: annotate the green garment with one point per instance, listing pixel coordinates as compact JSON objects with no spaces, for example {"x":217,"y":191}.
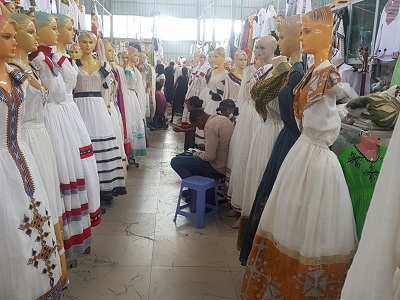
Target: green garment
{"x":361,"y":175}
{"x":396,"y":74}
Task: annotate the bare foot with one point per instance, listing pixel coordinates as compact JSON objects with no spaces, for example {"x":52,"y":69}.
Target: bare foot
{"x":236,"y":225}
{"x":233,"y":213}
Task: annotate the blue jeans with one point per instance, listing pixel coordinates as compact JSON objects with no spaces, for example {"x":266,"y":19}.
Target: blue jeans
{"x":186,"y":166}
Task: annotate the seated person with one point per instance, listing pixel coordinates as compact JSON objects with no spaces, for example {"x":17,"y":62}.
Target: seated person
{"x":218,"y":131}
{"x":159,"y":120}
{"x":228,"y":109}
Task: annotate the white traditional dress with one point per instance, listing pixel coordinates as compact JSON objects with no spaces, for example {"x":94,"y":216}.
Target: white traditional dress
{"x":231,"y":87}
{"x":77,"y":227}
{"x":69,"y":72}
{"x":245,"y":129}
{"x":30,"y":264}
{"x":216,"y":86}
{"x":306,"y":238}
{"x":88,"y":96}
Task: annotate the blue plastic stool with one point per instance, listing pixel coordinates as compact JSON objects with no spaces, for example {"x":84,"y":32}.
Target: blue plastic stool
{"x":199,"y":184}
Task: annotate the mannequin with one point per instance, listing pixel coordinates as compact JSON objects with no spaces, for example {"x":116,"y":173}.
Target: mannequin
{"x":75,"y":51}
{"x":92,"y":84}
{"x":247,"y":123}
{"x":77,"y":231}
{"x":289,"y":45}
{"x":23,"y":275}
{"x":217,"y":82}
{"x":33,"y":130}
{"x":149,"y":83}
{"x":133,"y":103}
{"x":265,"y":96}
{"x":361,"y":164}
{"x":234,"y":79}
{"x":307,"y":223}
{"x":10,"y":6}
{"x":69,"y":73}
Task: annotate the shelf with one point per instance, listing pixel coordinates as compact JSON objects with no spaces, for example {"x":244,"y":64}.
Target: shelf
{"x":381,"y":133}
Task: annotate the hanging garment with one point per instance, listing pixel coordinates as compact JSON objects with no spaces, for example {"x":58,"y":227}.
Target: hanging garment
{"x":44,"y":6}
{"x":30,"y":264}
{"x":372,"y":272}
{"x":291,"y":8}
{"x":387,"y":45}
{"x":244,"y":131}
{"x":270,"y":20}
{"x":284,"y":142}
{"x":69,"y":72}
{"x":361,"y":175}
{"x":303,"y":6}
{"x":89,"y":96}
{"x":66,"y":144}
{"x":306,"y":237}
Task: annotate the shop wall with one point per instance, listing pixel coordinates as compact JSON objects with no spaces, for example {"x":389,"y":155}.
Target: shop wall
{"x":173,"y":49}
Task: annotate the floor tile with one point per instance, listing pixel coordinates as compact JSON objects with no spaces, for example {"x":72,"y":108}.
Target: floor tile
{"x":191,"y":283}
{"x":237,"y":276}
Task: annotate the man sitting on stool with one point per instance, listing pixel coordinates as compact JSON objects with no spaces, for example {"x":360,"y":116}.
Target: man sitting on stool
{"x":211,"y":163}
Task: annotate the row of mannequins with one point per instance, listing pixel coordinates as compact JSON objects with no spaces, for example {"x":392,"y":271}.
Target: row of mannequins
{"x":69,"y":127}
{"x":302,"y":208}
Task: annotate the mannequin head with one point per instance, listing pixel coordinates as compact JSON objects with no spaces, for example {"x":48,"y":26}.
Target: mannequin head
{"x":210,"y":58}
{"x":75,"y":51}
{"x":8,"y":45}
{"x":316,"y":33}
{"x":124,"y":58}
{"x":66,"y":29}
{"x":289,"y":34}
{"x":219,"y":56}
{"x":110,"y":51}
{"x":265,"y":48}
{"x":196,"y":57}
{"x":240,"y":60}
{"x":202,"y":58}
{"x":10,"y":6}
{"x":133,"y":56}
{"x":46,"y":28}
{"x":87,"y":41}
{"x":142,"y":58}
{"x":26,"y":37}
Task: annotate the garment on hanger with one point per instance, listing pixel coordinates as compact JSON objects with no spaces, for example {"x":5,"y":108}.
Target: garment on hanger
{"x":69,"y":72}
{"x":30,"y":264}
{"x":66,"y":144}
{"x":291,"y":7}
{"x":306,"y":238}
{"x":303,"y":6}
{"x":285,"y":140}
{"x":372,"y":273}
{"x":387,"y":45}
{"x":270,"y":20}
{"x":44,"y":5}
{"x":361,"y":175}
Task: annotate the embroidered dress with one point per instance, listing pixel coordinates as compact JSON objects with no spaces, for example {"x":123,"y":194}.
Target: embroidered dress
{"x":35,"y":135}
{"x":77,"y":229}
{"x":374,"y":273}
{"x":265,"y":96}
{"x":216,"y":86}
{"x":306,"y":238}
{"x":361,"y":175}
{"x":245,"y":129}
{"x":247,"y":75}
{"x":232,"y":87}
{"x":134,"y":116}
{"x":284,"y":142}
{"x":69,"y":72}
{"x":88,"y":96}
{"x":30,"y":265}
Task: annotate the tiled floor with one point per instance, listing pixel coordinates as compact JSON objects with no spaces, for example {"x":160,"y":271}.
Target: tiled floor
{"x":139,"y":253}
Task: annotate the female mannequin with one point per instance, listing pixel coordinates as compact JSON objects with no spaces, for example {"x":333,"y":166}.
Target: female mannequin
{"x":265,"y":96}
{"x":134,"y":105}
{"x":216,"y":83}
{"x":77,"y":231}
{"x":234,"y":79}
{"x":247,"y":123}
{"x":93,"y":82}
{"x":289,"y":45}
{"x":75,"y":51}
{"x":149,"y":83}
{"x":33,"y":130}
{"x":30,"y":265}
{"x":69,"y":73}
{"x":205,"y":92}
{"x":307,"y":227}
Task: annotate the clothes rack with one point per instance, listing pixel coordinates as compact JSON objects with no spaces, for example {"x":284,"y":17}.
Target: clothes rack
{"x":383,"y":134}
